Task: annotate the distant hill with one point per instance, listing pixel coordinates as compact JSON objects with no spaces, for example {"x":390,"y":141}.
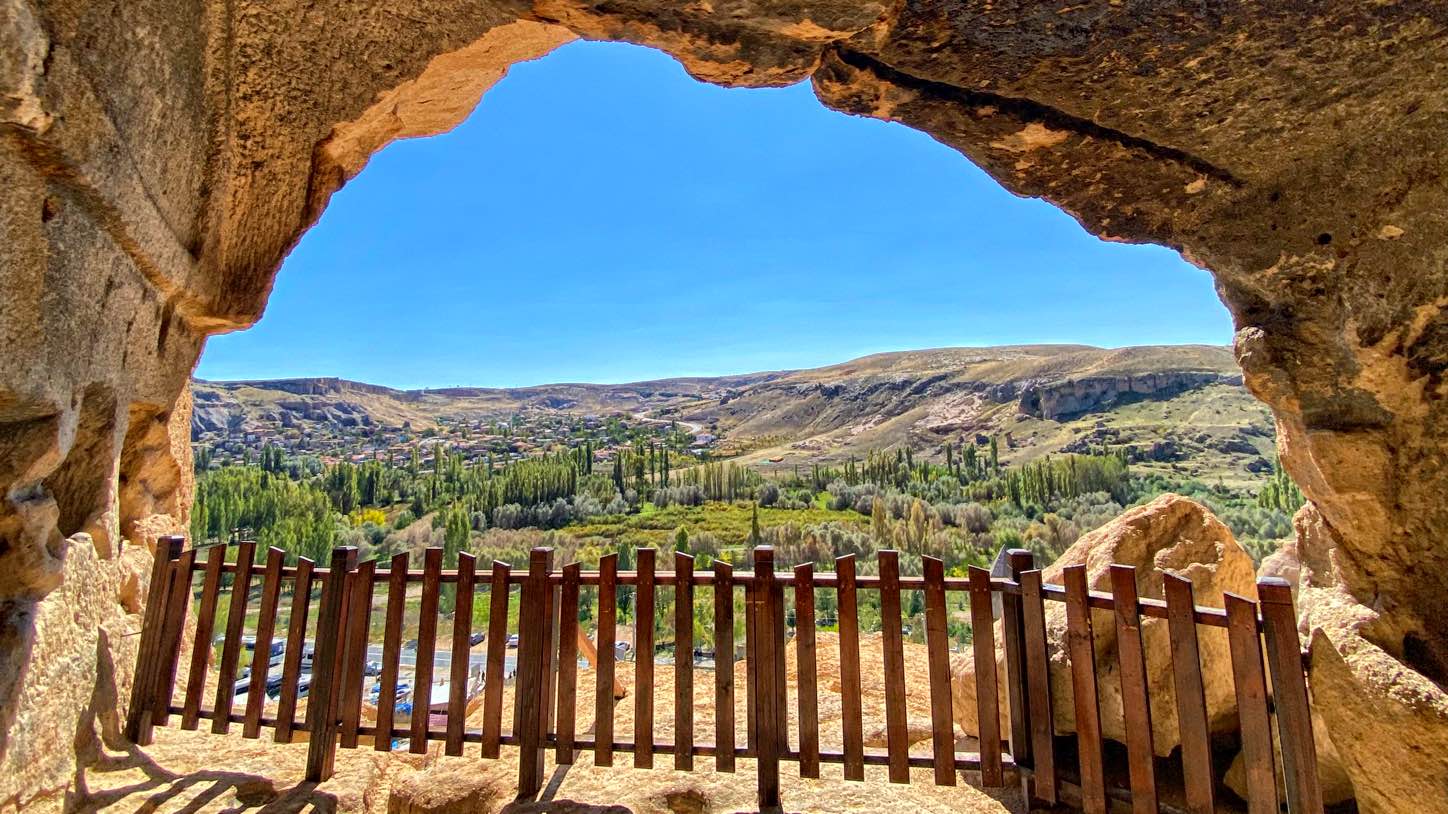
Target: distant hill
{"x":1181,"y":407}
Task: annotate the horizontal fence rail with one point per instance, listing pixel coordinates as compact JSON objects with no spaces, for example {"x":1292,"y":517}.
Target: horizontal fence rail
{"x":310,"y":673}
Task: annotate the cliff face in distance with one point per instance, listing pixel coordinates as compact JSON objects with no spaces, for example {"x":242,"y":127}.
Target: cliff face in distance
{"x":1173,"y":408}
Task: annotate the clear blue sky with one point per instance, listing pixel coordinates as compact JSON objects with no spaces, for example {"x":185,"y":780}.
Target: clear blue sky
{"x":603,"y":217}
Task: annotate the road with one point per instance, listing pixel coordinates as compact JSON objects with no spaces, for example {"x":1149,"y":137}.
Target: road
{"x":691,"y":426}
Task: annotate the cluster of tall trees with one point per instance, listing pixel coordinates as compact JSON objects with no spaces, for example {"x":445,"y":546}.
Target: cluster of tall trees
{"x":295,"y":516}
{"x":446,"y":480}
{"x":1051,"y":479}
{"x":722,"y":480}
{"x":642,"y":468}
{"x":1280,"y":493}
{"x":898,"y":467}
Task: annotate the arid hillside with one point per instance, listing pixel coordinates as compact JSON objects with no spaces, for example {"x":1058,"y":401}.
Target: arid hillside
{"x":1178,"y":408}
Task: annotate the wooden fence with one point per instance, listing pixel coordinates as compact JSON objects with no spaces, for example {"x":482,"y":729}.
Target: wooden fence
{"x":545,"y":711}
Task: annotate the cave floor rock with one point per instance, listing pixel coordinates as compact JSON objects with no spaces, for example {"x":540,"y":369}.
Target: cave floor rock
{"x":198,"y":772}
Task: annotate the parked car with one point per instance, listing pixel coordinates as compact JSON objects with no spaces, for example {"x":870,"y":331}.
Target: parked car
{"x":278,"y":649}
{"x":243,"y":681}
{"x":513,"y":641}
{"x":372,"y":668}
{"x":403,"y":690}
{"x":476,"y":639}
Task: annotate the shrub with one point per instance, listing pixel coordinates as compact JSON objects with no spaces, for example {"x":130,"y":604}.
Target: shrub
{"x":768,"y":494}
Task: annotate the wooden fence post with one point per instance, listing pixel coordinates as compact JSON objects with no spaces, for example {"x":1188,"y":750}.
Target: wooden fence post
{"x":987,"y":693}
{"x":143,"y":687}
{"x":683,"y":661}
{"x":723,"y":666}
{"x":201,"y":639}
{"x":296,"y":643}
{"x":391,"y":649}
{"x":1080,"y":643}
{"x":643,"y":607}
{"x":178,"y":601}
{"x":937,"y":642}
{"x":1197,"y":773}
{"x":426,"y":652}
{"x":231,"y":643}
{"x":769,"y":700}
{"x":1038,"y":680}
{"x":322,"y":695}
{"x":354,"y":651}
{"x":1253,"y":717}
{"x":852,"y":722}
{"x":807,"y":670}
{"x":1289,"y":696}
{"x":1013,"y":636}
{"x":1135,"y":695}
{"x":462,"y":650}
{"x":897,"y":738}
{"x":497,"y":653}
{"x":604,"y":698}
{"x":271,"y":592}
{"x":567,"y":716}
{"x":534,"y":635}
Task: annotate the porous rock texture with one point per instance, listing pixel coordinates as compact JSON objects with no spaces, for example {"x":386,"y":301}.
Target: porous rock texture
{"x":1387,"y":724}
{"x":158,"y":158}
{"x":1171,"y":534}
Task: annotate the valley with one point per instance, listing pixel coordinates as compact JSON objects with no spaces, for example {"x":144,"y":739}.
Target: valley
{"x":1178,"y":410}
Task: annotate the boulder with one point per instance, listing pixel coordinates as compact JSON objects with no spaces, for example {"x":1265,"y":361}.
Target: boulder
{"x":1390,"y":721}
{"x":1170,"y":534}
{"x":1284,"y":564}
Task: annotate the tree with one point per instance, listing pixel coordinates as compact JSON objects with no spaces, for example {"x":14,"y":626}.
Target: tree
{"x":755,"y":538}
{"x":681,"y":540}
{"x":456,"y":532}
{"x":879,"y":523}
{"x":919,"y":523}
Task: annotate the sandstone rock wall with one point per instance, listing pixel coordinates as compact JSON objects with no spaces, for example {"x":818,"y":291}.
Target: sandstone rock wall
{"x":76,"y":673}
{"x":157,"y":159}
{"x":1056,"y":400}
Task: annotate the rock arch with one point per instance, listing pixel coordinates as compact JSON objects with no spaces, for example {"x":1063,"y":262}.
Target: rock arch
{"x":157,"y":160}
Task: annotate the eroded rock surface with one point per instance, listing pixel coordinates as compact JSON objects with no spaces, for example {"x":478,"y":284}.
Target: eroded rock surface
{"x":1172,"y":534}
{"x":158,"y":159}
{"x":75,"y":672}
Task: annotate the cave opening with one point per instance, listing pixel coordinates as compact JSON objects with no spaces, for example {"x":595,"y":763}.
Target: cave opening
{"x":162,"y":161}
{"x":602,"y":217}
